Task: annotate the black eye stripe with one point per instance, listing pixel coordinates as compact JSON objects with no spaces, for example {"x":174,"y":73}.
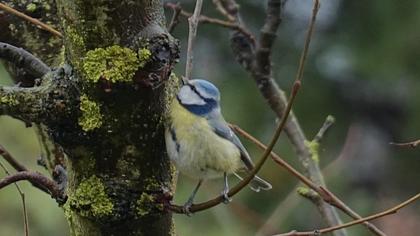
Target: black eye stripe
{"x":199,"y":109}
{"x":194,"y":89}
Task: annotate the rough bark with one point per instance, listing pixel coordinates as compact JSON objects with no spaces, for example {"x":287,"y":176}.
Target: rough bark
{"x":106,"y":109}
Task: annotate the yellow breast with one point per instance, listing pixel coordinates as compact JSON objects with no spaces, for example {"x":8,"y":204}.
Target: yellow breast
{"x":201,"y":151}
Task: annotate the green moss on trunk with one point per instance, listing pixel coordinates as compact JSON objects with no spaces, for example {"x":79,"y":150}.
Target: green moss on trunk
{"x":91,"y":117}
{"x":118,"y":169}
{"x":114,"y":64}
{"x":106,"y":110}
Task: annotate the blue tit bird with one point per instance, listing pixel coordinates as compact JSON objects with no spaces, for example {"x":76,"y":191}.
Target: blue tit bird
{"x":199,"y":141}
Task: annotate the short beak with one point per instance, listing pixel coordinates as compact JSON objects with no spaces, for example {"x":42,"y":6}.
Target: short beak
{"x":184,"y":80}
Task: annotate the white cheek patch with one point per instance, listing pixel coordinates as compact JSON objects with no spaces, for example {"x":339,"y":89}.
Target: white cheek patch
{"x":188,"y":97}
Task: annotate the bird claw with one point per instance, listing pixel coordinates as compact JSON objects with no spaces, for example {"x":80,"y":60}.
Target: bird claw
{"x":187,"y":208}
{"x":226,"y":198}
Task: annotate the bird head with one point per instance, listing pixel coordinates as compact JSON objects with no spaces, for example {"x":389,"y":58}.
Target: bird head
{"x":200,"y":97}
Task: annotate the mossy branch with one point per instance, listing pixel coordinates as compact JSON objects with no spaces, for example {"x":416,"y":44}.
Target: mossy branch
{"x":22,"y":103}
{"x":49,"y":103}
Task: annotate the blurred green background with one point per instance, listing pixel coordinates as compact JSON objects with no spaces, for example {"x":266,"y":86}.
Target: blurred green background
{"x":363,"y":68}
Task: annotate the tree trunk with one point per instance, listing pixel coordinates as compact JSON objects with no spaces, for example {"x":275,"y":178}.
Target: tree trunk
{"x":106,"y":109}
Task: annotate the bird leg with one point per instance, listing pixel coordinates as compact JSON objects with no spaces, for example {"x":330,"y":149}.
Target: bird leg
{"x":225,"y":191}
{"x":190,"y":201}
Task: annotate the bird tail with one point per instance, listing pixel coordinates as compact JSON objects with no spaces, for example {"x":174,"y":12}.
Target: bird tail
{"x":256,"y":183}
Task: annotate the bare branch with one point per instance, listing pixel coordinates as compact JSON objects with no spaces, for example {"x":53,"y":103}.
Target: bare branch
{"x":193,"y":24}
{"x":23,"y":59}
{"x":412,"y":144}
{"x":30,"y":19}
{"x":355,"y":222}
{"x":54,"y":189}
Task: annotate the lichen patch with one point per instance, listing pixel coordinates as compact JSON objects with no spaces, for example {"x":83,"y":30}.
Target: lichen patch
{"x":114,"y":64}
{"x":90,"y":199}
{"x":91,"y":117}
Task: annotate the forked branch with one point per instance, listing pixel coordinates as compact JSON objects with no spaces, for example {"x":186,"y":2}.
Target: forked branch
{"x":203,"y":19}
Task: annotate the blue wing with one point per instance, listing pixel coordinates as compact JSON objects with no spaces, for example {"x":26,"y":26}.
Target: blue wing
{"x":222,"y":129}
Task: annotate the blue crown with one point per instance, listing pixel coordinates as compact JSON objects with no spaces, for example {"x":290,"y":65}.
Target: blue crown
{"x":206,"y":89}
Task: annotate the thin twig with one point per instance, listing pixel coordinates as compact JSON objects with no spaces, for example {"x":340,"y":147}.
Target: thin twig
{"x":22,"y":196}
{"x":209,"y":20}
{"x":31,"y":20}
{"x":11,"y":160}
{"x":193,"y":24}
{"x":390,"y":211}
{"x":325,"y":194}
{"x":175,"y":16}
{"x":412,"y":144}
{"x":329,"y":121}
{"x":25,"y":215}
{"x":308,"y":38}
{"x":23,"y":59}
